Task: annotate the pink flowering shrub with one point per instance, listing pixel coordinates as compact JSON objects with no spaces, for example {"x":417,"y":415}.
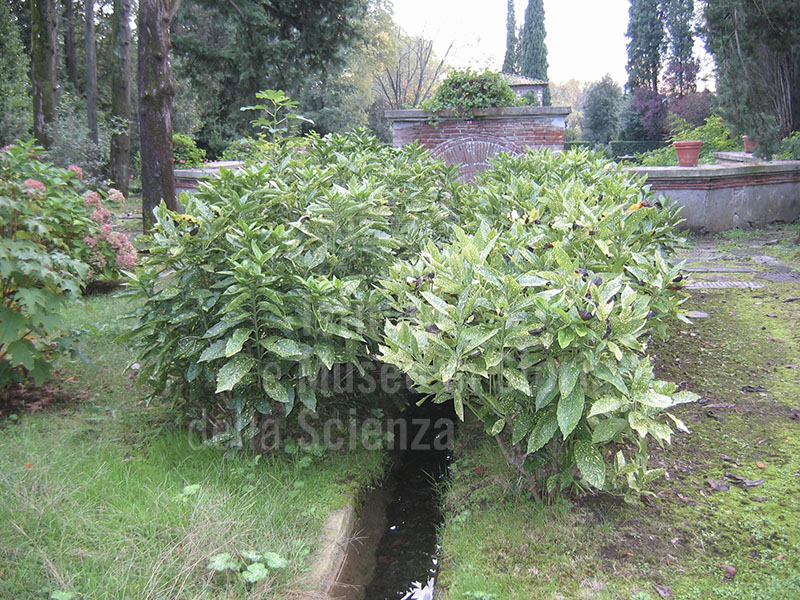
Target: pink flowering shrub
{"x":79,"y":223}
{"x":109,"y":251}
{"x":54,"y":238}
{"x":77,"y":170}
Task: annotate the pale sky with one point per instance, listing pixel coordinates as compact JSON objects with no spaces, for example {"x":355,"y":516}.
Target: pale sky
{"x":585,"y":38}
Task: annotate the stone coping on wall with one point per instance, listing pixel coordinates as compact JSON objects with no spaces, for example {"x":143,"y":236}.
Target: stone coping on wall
{"x":715,"y":176}
{"x":503,"y":112}
{"x":208,"y":169}
{"x":723,"y":196}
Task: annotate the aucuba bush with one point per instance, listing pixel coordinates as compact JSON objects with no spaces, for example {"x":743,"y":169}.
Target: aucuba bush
{"x":526,"y":299}
{"x":52,"y":241}
{"x":538,"y":322}
{"x":275,"y":272}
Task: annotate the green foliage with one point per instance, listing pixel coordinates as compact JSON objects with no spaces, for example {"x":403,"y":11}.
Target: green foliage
{"x":14,"y":100}
{"x":348,"y":253}
{"x":41,"y":217}
{"x":533,"y":52}
{"x":682,"y":66}
{"x":72,"y":144}
{"x":52,"y":241}
{"x":756,"y":47}
{"x":790,"y":147}
{"x":714,"y":133}
{"x":185,"y":153}
{"x":511,"y":58}
{"x":464,"y":91}
{"x":277,"y":119}
{"x":538,"y":321}
{"x":531,"y":98}
{"x":275,"y":271}
{"x":245,"y":148}
{"x":228,"y":55}
{"x":626,"y":148}
{"x":600,"y":109}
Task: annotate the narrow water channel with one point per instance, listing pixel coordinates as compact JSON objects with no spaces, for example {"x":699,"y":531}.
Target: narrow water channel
{"x":396,"y":552}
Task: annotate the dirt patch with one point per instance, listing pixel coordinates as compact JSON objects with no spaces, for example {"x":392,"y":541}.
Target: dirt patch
{"x":19,"y":398}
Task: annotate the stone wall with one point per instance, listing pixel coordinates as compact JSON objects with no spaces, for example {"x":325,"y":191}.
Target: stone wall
{"x":470,"y":142}
{"x":724,"y":196}
{"x":188,"y":180}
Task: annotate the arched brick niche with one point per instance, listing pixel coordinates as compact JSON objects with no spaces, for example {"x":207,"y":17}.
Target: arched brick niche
{"x":470,"y":142}
{"x":472,"y":152}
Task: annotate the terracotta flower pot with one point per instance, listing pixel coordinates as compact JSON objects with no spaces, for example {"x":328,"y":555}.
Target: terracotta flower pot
{"x":749,"y":143}
{"x":688,"y":152}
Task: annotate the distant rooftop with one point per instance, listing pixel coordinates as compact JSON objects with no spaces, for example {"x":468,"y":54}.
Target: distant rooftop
{"x":520,"y":80}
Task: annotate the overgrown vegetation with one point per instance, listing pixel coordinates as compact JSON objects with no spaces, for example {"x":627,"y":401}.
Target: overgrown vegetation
{"x":185,"y":153}
{"x":705,"y":534}
{"x":465,"y":91}
{"x":715,"y":135}
{"x":537,"y":322}
{"x":275,"y":272}
{"x":53,"y":240}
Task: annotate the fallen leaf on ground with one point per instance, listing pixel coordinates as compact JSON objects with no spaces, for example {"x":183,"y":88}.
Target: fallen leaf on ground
{"x":27,"y":466}
{"x":719,"y":486}
{"x":760,"y":464}
{"x":759,"y":499}
{"x":664,"y":591}
{"x":744,"y":481}
{"x":793,"y":366}
{"x":754,"y":388}
{"x":730,"y":572}
{"x":794,"y":299}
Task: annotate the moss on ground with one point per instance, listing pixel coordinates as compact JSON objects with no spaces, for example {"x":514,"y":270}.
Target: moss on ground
{"x":498,"y":544}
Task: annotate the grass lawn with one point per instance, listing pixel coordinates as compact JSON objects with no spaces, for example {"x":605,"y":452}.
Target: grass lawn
{"x":94,"y":500}
{"x":694,"y":542}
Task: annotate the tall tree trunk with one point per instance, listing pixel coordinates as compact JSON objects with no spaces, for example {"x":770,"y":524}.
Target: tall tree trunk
{"x":43,"y":68}
{"x":91,"y":71}
{"x":121,"y":95}
{"x":70,"y":51}
{"x":155,"y":105}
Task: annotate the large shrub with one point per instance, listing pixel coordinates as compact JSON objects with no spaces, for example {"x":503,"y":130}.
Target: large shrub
{"x":185,"y":153}
{"x":275,"y":270}
{"x":527,"y":299}
{"x":52,"y":240}
{"x":538,"y":321}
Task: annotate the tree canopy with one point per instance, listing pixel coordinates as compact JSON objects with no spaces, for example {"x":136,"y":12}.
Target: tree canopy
{"x":232,"y":50}
{"x":757,"y":50}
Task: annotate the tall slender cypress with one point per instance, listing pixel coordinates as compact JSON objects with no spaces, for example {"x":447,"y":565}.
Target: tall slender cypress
{"x":533,"y":52}
{"x":646,"y":35}
{"x":511,"y":61}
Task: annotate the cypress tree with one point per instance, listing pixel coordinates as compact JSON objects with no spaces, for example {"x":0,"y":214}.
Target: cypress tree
{"x":511,"y":61}
{"x":646,"y":35}
{"x":682,"y":67}
{"x":757,"y":50}
{"x":533,"y":52}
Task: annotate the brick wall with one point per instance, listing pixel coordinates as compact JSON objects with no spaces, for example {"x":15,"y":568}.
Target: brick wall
{"x":470,"y":142}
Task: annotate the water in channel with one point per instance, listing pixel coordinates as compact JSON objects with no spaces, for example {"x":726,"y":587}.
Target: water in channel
{"x":395,"y":555}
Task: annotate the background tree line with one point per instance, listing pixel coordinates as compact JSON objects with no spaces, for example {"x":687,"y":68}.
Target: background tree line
{"x":345,"y":61}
